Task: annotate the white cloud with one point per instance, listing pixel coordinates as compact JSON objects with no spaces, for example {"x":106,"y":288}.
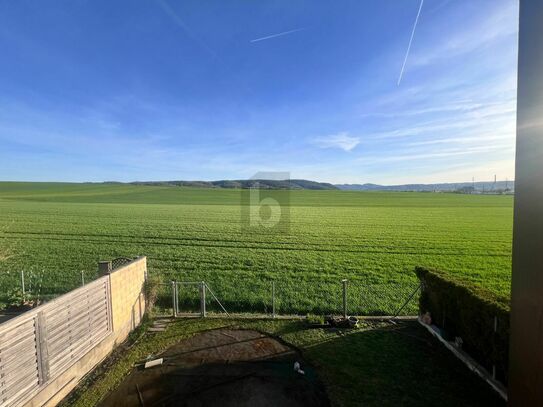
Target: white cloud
{"x":474,"y":138}
{"x":409,"y":156}
{"x":340,"y":140}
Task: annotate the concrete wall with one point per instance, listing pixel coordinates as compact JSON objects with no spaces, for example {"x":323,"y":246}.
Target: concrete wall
{"x":127,"y":310}
{"x":127,"y":299}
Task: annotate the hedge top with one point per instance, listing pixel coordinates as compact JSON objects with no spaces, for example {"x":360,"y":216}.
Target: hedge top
{"x":490,"y":298}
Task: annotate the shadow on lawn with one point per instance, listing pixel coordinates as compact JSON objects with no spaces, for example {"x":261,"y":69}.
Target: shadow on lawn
{"x":396,"y":365}
{"x":380,"y":364}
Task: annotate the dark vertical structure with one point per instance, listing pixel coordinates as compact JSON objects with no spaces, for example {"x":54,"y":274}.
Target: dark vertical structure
{"x":526,"y":346}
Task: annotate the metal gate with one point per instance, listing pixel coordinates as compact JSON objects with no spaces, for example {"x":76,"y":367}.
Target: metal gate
{"x":191,"y":297}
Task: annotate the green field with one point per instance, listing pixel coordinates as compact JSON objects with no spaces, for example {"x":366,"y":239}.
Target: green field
{"x":374,"y":239}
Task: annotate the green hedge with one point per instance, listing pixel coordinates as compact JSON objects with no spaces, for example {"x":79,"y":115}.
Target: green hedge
{"x":461,"y":309}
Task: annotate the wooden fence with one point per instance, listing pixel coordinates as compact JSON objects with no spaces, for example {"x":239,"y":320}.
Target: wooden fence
{"x":39,"y":345}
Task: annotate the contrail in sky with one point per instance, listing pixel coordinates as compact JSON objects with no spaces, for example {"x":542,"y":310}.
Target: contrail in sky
{"x":410,"y":41}
{"x":277,"y":35}
{"x":177,"y":20}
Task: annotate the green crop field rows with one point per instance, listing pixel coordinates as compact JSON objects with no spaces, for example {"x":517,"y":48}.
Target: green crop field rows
{"x":374,"y":239}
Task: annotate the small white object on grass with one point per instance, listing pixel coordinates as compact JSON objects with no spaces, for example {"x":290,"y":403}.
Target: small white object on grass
{"x":156,"y":329}
{"x":297,"y":368}
{"x":152,"y":363}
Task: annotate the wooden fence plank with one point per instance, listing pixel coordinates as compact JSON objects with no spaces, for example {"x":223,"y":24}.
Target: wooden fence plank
{"x":42,"y":343}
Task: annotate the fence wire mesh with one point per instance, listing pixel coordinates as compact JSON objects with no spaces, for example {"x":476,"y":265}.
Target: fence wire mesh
{"x":290,"y":297}
{"x":236,"y":293}
{"x":33,"y":286}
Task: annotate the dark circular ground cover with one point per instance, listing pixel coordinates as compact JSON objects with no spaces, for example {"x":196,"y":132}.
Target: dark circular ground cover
{"x":223,"y":367}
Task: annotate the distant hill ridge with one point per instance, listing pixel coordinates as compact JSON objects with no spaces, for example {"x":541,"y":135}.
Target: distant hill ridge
{"x":486,"y":186}
{"x":456,"y":186}
{"x":243,"y":184}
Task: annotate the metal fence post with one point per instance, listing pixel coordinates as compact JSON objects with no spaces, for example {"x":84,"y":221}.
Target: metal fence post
{"x":82,"y":277}
{"x":273,"y":299}
{"x":177,"y":297}
{"x":344,"y":298}
{"x":203,"y":299}
{"x":23,"y":284}
{"x":174,"y":298}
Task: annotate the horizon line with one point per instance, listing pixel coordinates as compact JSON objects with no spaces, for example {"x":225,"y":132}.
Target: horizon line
{"x":259,"y":179}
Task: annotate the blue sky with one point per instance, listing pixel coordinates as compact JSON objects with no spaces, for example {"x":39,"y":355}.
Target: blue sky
{"x":162,"y":90}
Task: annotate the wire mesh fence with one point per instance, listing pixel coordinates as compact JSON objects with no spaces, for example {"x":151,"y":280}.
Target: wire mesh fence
{"x":288,"y":297}
{"x":237,"y":294}
{"x":35,"y":286}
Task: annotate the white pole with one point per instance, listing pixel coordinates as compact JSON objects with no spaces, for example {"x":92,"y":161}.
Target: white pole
{"x":273,"y":299}
{"x":203,"y":299}
{"x":23,"y":283}
{"x":344,"y":298}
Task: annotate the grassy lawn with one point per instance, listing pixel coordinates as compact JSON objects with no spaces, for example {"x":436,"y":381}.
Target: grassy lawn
{"x":379,"y":364}
{"x":375,"y":239}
